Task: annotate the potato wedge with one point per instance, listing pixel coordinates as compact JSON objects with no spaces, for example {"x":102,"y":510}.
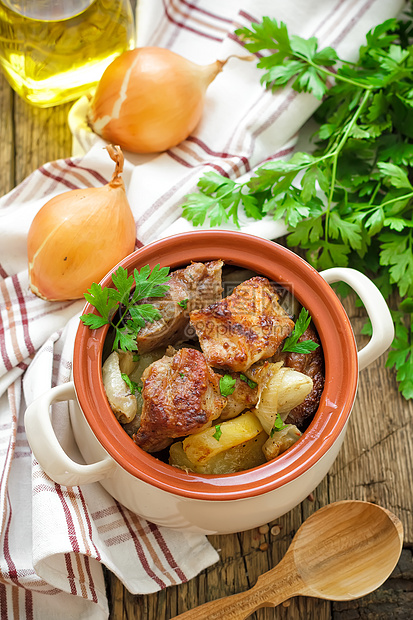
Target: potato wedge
{"x":238,"y":458}
{"x":201,"y":447}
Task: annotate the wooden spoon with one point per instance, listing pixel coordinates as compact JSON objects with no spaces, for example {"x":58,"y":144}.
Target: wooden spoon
{"x":342,"y":552}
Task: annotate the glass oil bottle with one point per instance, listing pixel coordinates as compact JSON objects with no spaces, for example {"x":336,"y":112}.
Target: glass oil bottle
{"x":54,"y":51}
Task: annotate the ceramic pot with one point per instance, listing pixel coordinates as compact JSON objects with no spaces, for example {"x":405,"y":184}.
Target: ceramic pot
{"x":215,"y":503}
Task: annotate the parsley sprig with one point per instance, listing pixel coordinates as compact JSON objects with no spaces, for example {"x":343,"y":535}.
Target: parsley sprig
{"x":127,"y":292}
{"x":292,"y":57}
{"x":350,"y":201}
{"x":278,"y":425}
{"x":291,"y":343}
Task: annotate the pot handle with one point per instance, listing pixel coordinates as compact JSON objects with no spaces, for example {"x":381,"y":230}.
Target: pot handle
{"x":376,"y":307}
{"x":47,"y":449}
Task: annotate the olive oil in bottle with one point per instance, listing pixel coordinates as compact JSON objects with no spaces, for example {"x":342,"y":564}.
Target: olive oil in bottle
{"x":58,"y":59}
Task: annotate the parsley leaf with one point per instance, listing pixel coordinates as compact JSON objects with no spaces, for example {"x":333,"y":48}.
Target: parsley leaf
{"x":132,"y":385}
{"x":218,"y":432}
{"x":183,"y":303}
{"x":401,"y":356}
{"x":127,"y":291}
{"x":104,"y":304}
{"x":291,"y":343}
{"x":150,"y":283}
{"x":219,"y":200}
{"x":252,"y":384}
{"x":227,"y":385}
{"x":123,"y":283}
{"x":291,"y":57}
{"x":395,"y":175}
{"x":125,"y":339}
{"x":278,"y":425}
{"x":142,"y":313}
{"x":396,"y":252}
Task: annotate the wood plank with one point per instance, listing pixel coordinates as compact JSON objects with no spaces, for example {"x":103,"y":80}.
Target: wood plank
{"x":41,"y":135}
{"x":375,"y":462}
{"x":7,"y":181}
{"x":30,"y":137}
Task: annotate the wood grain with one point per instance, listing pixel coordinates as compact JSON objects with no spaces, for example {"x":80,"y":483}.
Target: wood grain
{"x":7,"y":180}
{"x":375,"y":462}
{"x":343,"y":551}
{"x":30,"y":137}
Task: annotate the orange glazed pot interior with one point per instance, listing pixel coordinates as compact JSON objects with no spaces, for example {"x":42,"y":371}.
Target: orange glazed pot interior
{"x":341,"y":367}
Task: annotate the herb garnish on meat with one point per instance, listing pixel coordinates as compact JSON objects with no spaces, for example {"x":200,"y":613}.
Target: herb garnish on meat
{"x":227,"y":385}
{"x":183,"y":303}
{"x":291,"y":343}
{"x":128,"y":292}
{"x":252,"y":384}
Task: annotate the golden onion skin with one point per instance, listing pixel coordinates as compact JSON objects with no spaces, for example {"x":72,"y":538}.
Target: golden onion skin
{"x":150,"y":99}
{"x":77,"y":237}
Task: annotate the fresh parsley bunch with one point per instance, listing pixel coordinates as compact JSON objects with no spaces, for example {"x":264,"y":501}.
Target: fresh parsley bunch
{"x":350,"y":201}
{"x":124,"y":297}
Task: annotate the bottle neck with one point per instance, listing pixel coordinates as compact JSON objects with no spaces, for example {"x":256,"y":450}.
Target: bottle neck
{"x":48,"y":10}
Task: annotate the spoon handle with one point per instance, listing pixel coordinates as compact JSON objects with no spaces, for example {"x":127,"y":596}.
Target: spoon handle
{"x":272,"y":588}
{"x":235,"y":607}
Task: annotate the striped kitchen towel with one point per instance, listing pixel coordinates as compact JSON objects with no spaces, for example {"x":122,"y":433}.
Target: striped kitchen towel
{"x":55,"y":539}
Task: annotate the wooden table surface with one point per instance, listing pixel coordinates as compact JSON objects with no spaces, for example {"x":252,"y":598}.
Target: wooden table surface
{"x":375,"y":462}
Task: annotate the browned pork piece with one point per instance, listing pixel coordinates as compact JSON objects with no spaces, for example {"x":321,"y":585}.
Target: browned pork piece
{"x":196,"y":286}
{"x":312,"y":365}
{"x":181,"y":396}
{"x":244,"y":396}
{"x":244,"y":327}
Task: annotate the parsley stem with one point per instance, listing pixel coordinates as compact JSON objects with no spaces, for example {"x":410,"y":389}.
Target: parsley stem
{"x":336,"y":153}
{"x":336,"y":76}
{"x":374,"y":194}
{"x":388,"y":202}
{"x":127,"y":306}
{"x":352,"y":122}
{"x":230,"y":191}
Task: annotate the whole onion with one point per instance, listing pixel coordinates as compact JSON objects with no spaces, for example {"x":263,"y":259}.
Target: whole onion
{"x":78,"y":236}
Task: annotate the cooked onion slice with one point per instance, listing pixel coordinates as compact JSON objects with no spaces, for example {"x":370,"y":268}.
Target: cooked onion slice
{"x":281,"y":441}
{"x":280,"y":389}
{"x":122,"y":401}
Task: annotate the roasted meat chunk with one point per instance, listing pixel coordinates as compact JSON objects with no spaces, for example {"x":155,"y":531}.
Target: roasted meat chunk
{"x":196,"y":286}
{"x":244,"y":396}
{"x":181,"y":396}
{"x":312,"y":365}
{"x":242,"y":328}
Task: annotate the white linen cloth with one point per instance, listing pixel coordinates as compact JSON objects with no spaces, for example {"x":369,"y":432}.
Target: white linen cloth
{"x":54,"y":539}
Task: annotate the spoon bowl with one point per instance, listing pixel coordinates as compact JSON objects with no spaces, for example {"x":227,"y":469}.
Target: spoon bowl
{"x":342,"y":552}
{"x":347,"y":549}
